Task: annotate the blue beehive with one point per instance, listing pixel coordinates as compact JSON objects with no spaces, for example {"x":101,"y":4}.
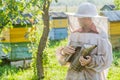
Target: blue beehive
{"x":59,"y":24}
{"x":58,"y":33}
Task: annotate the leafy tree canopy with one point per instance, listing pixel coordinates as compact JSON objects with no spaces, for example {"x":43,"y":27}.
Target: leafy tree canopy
{"x":117,"y":4}
{"x":10,"y":10}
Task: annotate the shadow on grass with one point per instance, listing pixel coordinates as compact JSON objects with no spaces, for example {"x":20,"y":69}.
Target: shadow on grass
{"x":116,"y":56}
{"x":116,"y":53}
{"x":53,"y":43}
{"x":7,"y":69}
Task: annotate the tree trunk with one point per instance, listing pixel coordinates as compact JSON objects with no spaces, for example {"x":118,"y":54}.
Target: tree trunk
{"x":43,"y":40}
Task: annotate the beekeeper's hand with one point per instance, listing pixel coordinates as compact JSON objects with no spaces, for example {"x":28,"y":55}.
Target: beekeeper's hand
{"x":68,"y":50}
{"x":85,"y":61}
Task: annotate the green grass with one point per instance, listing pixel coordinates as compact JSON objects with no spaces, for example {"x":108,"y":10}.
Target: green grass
{"x":114,"y":73}
{"x":53,"y":70}
{"x":8,"y":72}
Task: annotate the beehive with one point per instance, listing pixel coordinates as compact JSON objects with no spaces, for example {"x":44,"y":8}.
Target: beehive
{"x":108,"y":8}
{"x":14,"y":41}
{"x":15,"y":35}
{"x":58,"y":33}
{"x":58,"y":25}
{"x":15,"y":51}
{"x":114,"y":20}
{"x":58,"y":20}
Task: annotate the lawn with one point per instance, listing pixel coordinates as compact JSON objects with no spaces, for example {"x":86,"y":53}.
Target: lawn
{"x":53,"y":71}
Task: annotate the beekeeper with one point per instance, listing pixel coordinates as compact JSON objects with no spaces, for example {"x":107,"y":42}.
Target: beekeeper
{"x":87,"y":27}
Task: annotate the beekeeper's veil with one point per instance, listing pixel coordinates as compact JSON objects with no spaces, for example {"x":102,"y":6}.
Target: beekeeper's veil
{"x":87,"y":10}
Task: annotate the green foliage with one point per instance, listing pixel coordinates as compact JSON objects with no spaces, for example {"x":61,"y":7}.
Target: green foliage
{"x":116,"y":56}
{"x":117,"y":4}
{"x":0,"y":61}
{"x":6,"y":49}
{"x":9,"y":11}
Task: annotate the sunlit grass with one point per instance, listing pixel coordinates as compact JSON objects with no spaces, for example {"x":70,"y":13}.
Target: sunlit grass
{"x":114,"y":73}
{"x":11,"y":73}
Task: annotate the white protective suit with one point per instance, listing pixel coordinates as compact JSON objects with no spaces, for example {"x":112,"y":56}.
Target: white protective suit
{"x":101,"y":55}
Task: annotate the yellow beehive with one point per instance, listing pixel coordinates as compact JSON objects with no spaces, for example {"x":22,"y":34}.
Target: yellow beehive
{"x":58,"y":23}
{"x":115,"y":34}
{"x":58,"y":20}
{"x":14,"y":41}
{"x":15,"y":35}
{"x":19,"y":32}
{"x":114,"y":20}
{"x":115,"y":28}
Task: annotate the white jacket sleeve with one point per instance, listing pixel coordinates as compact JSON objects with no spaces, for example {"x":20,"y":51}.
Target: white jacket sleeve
{"x":103,"y":59}
{"x":60,"y":57}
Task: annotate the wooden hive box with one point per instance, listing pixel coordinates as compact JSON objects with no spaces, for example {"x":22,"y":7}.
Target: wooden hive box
{"x":114,"y":20}
{"x":14,"y":42}
{"x":58,"y":20}
{"x":58,"y":33}
{"x":15,"y":35}
{"x":15,"y":51}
